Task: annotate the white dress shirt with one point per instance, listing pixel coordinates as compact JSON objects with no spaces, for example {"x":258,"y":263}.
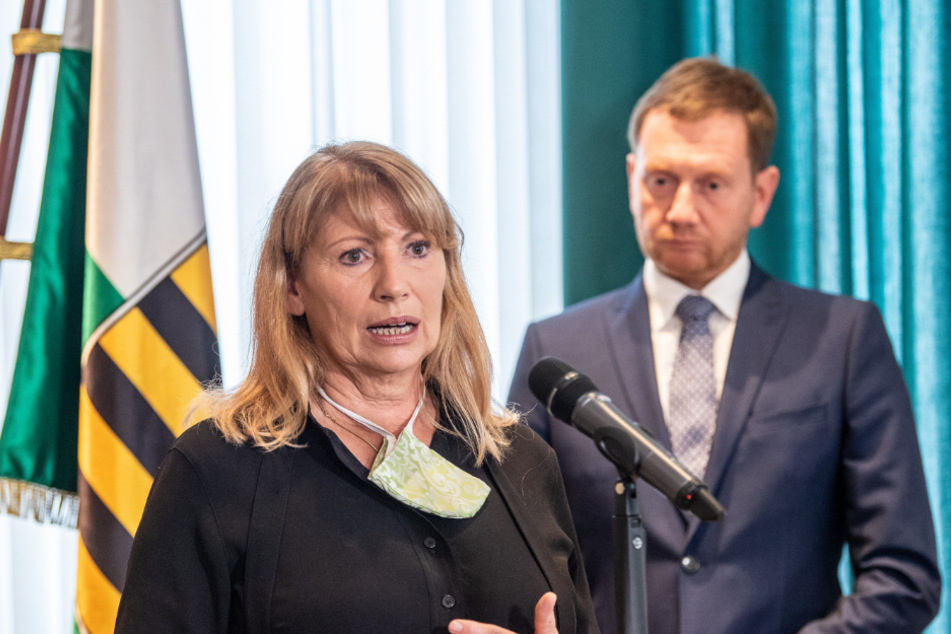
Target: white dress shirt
{"x":664,"y":293}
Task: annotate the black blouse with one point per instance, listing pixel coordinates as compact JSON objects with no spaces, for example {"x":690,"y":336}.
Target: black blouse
{"x":479,"y":552}
{"x":297,"y":540}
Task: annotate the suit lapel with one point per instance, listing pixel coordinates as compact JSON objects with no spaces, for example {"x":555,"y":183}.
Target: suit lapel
{"x":631,"y":353}
{"x":761,"y":321}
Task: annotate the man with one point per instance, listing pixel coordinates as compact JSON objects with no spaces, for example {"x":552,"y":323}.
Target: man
{"x":788,"y":403}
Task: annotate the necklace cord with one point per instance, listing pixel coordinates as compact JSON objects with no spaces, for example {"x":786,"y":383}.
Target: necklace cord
{"x":333,"y":420}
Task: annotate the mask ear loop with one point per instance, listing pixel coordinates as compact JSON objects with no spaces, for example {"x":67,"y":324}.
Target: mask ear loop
{"x":390,"y":440}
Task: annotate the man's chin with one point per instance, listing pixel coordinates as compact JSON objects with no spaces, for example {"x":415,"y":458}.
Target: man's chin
{"x":682,"y":263}
{"x":690,"y":271}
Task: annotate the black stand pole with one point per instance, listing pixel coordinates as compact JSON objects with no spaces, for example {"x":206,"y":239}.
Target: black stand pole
{"x":630,"y":572}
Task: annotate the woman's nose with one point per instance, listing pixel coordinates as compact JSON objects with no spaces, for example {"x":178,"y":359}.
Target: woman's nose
{"x":391,"y":282}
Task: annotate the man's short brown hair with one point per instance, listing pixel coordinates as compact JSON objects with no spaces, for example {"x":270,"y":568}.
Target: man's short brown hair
{"x":695,"y":88}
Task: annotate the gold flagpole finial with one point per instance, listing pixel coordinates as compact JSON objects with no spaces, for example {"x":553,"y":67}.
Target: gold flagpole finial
{"x":15,"y":250}
{"x":34,"y":42}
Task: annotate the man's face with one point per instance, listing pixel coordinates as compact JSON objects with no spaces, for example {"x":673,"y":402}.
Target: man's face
{"x":693,"y":195}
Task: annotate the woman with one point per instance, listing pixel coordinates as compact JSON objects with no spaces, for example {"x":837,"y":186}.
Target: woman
{"x":359,"y":479}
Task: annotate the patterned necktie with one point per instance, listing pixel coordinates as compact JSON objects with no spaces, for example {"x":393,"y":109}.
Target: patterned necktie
{"x":693,"y":391}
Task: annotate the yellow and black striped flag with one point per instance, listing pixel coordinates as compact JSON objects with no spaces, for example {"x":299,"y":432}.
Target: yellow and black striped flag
{"x":148,"y":326}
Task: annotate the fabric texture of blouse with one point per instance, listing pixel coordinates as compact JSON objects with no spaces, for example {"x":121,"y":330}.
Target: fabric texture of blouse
{"x":234,"y":539}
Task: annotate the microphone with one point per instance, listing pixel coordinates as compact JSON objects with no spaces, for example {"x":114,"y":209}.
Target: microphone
{"x":572,"y":397}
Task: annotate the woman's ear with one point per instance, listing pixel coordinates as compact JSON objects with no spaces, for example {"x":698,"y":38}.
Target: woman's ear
{"x":295,"y":301}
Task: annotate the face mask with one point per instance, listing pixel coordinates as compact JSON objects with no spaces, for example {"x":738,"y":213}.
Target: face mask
{"x":416,"y":475}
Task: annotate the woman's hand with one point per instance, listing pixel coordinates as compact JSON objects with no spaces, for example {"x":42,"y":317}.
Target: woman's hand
{"x":544,"y":620}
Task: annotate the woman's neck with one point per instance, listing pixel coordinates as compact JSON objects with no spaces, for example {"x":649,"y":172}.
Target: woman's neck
{"x":387,"y":403}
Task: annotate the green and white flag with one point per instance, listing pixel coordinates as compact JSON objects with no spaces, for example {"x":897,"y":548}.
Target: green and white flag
{"x":39,"y":438}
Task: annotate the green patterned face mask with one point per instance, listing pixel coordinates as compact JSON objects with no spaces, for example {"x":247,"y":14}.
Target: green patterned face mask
{"x":416,"y":475}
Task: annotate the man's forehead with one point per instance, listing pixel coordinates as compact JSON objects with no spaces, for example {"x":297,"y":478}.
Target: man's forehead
{"x":720,"y":117}
{"x":719,"y":136}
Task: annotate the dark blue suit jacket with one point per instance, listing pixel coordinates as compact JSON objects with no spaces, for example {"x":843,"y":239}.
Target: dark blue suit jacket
{"x":815,"y":449}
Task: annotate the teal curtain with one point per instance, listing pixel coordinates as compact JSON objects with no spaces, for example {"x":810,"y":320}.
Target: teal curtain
{"x":863,"y":89}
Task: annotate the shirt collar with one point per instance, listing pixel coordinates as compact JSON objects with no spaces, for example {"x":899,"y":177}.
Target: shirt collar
{"x":725,"y":291}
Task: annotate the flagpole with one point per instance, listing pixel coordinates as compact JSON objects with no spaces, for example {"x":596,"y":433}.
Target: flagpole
{"x":27,"y":44}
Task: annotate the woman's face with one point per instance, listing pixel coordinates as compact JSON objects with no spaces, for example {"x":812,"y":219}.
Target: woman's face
{"x":373,"y":303}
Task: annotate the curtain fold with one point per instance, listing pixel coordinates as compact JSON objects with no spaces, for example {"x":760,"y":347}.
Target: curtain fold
{"x":862,"y":91}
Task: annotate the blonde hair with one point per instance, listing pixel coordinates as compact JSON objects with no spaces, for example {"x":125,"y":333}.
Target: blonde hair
{"x":269,"y":408}
{"x":696,"y":88}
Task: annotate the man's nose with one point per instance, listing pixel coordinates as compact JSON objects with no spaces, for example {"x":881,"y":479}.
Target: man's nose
{"x":683,"y":207}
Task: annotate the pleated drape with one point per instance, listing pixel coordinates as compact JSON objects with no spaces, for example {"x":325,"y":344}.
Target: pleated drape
{"x":862,"y":89}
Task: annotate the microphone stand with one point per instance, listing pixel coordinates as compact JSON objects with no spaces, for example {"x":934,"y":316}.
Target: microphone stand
{"x":630,"y":569}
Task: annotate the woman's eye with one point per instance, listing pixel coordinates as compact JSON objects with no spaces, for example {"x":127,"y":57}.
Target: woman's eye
{"x":353,"y":256}
{"x":419,"y":248}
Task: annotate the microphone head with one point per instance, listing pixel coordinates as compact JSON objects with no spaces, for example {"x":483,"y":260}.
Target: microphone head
{"x":702,"y":504}
{"x":558,"y":386}
{"x":545,"y":375}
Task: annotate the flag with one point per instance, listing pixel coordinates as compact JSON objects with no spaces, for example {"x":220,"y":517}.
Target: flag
{"x":148,"y":319}
{"x":141,"y":336}
{"x":39,"y":437}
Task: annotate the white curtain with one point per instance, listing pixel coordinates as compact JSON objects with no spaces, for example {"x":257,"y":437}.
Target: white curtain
{"x":467,"y":88}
